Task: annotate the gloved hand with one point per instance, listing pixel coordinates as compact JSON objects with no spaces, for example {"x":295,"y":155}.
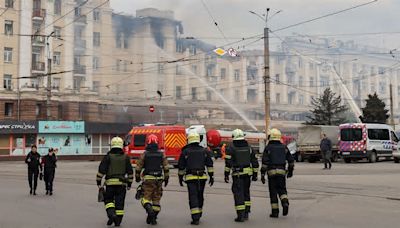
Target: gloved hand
{"x":290,"y":174}
{"x":254,"y":178}
{"x":181,"y":181}
{"x":211,"y":181}
{"x":166,"y":180}
{"x":226,"y":179}
{"x":263,"y":179}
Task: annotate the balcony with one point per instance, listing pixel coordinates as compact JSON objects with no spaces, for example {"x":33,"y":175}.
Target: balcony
{"x":81,"y":19}
{"x":38,"y":14}
{"x":38,"y":66}
{"x":79,"y":69}
{"x":80,"y":44}
{"x":38,"y":41}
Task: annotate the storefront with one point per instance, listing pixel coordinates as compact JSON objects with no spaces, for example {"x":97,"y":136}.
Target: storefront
{"x":17,"y":137}
{"x":66,"y":137}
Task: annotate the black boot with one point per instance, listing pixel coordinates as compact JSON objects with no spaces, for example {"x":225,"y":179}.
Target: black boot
{"x":240,"y":216}
{"x":285,"y":205}
{"x":47,"y":192}
{"x":154,"y":222}
{"x":195,"y":222}
{"x":274,"y":213}
{"x":246,"y":215}
{"x":51,"y":193}
{"x":30,"y":192}
{"x":112,"y":217}
{"x":150,"y":213}
{"x":118,"y":220}
{"x":34,"y":192}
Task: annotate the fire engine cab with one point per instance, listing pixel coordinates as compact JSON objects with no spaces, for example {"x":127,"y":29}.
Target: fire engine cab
{"x":171,"y":140}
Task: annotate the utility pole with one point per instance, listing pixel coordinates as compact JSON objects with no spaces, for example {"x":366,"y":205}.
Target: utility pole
{"x":267,"y":79}
{"x":391,"y":106}
{"x":48,"y":87}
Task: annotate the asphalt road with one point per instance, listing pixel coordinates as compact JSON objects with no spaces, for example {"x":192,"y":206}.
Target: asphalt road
{"x":349,"y":195}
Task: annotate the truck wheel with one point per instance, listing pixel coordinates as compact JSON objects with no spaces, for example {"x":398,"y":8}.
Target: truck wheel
{"x":396,"y":160}
{"x":347,"y":160}
{"x":372,"y":157}
{"x":311,"y":160}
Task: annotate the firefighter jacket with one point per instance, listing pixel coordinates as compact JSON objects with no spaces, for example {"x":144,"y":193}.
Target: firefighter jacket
{"x":116,"y":168}
{"x":240,"y":159}
{"x":152,"y":163}
{"x":193,"y":161}
{"x":33,"y":161}
{"x":274,"y":159}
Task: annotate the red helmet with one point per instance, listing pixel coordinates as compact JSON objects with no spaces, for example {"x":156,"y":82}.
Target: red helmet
{"x":152,"y":139}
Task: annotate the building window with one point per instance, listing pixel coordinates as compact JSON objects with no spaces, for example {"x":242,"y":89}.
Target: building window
{"x":57,"y":32}
{"x":194,"y":69}
{"x":55,"y":83}
{"x":194,"y":93}
{"x":277,"y":79}
{"x":381,"y":70}
{"x":57,"y":58}
{"x":125,"y":66}
{"x":96,"y":86}
{"x":7,"y":81}
{"x":237,"y":75}
{"x":77,"y":83}
{"x":8,"y":54}
{"x":252,"y":73}
{"x":78,"y":12}
{"x":8,"y":109}
{"x":192,"y":49}
{"x":178,"y":92}
{"x":223,"y":73}
{"x":251,"y":95}
{"x":209,"y":96}
{"x":161,"y":68}
{"x":96,"y":39}
{"x":96,"y":15}
{"x":179,"y":46}
{"x":301,"y":81}
{"x":8,"y":28}
{"x":57,"y":7}
{"x":237,"y":95}
{"x":178,"y":69}
{"x":291,"y":97}
{"x":222,"y":92}
{"x":38,"y":109}
{"x":311,"y":81}
{"x":382,"y":87}
{"x":278,"y":98}
{"x":210,"y":70}
{"x":9,"y":3}
{"x":96,"y":63}
{"x":301,"y":99}
{"x":324,"y":81}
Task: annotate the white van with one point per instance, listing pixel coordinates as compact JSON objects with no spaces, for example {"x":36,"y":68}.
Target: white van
{"x":363,"y":140}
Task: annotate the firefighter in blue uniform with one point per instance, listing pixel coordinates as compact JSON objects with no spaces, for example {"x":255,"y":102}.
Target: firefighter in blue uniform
{"x":241,"y":161}
{"x":274,"y":160}
{"x":151,"y":165}
{"x":192,"y":163}
{"x":118,"y":172}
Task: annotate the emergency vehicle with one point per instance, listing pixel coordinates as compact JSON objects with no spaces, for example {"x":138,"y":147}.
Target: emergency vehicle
{"x":171,"y":140}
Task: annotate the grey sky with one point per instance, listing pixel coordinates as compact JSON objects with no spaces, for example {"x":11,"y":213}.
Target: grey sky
{"x":235,"y":20}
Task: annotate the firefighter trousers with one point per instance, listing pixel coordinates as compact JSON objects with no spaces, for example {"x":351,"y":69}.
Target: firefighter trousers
{"x":49,"y":178}
{"x":152,"y":193}
{"x":114,"y":201}
{"x":241,"y":192}
{"x":196,"y":197}
{"x":33,"y":175}
{"x":277,"y":187}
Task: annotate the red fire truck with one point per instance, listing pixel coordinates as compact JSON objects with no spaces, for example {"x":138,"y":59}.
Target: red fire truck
{"x":171,"y":141}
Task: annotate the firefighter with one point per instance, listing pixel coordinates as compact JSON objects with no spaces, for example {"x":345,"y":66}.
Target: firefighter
{"x":118,"y":172}
{"x":274,"y":161}
{"x":241,"y":161}
{"x":152,"y":163}
{"x":33,"y":161}
{"x":49,"y":163}
{"x":192,"y":162}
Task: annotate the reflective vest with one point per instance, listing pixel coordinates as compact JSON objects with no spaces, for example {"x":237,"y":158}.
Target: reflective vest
{"x":116,"y":170}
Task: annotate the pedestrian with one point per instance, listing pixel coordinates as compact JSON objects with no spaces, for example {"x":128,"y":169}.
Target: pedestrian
{"x":118,"y":172}
{"x":33,"y":161}
{"x":274,"y":160}
{"x":326,"y":151}
{"x":151,"y":165}
{"x":241,"y":161}
{"x":49,"y":163}
{"x":192,"y":163}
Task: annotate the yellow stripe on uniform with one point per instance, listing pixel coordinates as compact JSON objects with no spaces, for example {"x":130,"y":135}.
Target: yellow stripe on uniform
{"x":227,"y":169}
{"x":274,"y":206}
{"x":156,"y":208}
{"x":276,"y":172}
{"x":228,"y":156}
{"x":119,"y":212}
{"x":195,"y":210}
{"x":195,"y":177}
{"x":110,"y":205}
{"x":210,"y":169}
{"x":247,"y":203}
{"x":240,"y":207}
{"x":283,"y":196}
{"x":145,"y":201}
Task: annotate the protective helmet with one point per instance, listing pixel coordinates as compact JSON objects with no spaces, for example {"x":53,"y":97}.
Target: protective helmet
{"x":193,"y":137}
{"x":275,"y":135}
{"x":152,"y":139}
{"x":117,"y":142}
{"x":237,"y":134}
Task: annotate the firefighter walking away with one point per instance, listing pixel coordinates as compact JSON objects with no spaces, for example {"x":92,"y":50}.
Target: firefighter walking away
{"x":118,"y":172}
{"x":241,"y":161}
{"x":274,"y":161}
{"x":192,"y":163}
{"x":151,"y":166}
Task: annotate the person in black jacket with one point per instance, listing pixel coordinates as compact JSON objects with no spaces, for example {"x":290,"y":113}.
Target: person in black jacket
{"x":49,"y":163}
{"x":326,"y":151}
{"x":33,"y":161}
